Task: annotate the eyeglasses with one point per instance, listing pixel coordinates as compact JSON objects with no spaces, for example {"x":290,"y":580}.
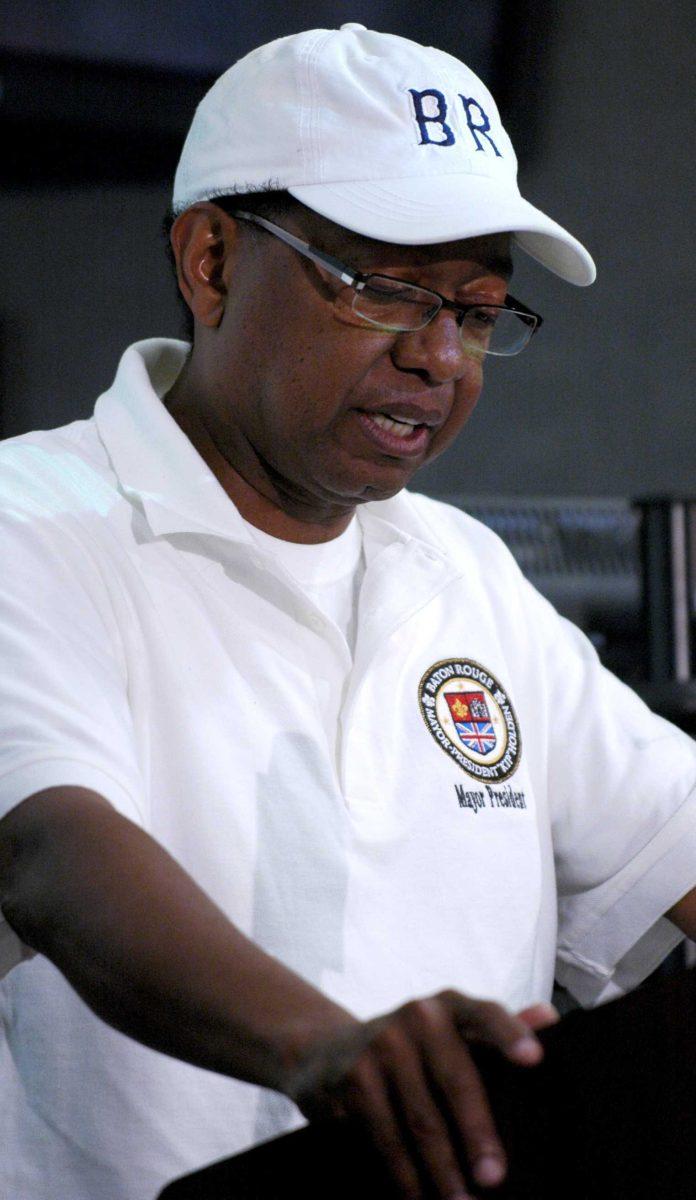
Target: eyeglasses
{"x":394,"y":306}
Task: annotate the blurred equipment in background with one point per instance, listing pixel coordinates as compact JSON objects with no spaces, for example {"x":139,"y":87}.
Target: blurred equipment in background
{"x":668,"y":558}
{"x":626,"y":574}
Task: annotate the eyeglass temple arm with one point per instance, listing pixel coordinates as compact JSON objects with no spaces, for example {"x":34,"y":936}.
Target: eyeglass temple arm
{"x":355,"y":278}
{"x":511,"y":302}
{"x":333,"y":265}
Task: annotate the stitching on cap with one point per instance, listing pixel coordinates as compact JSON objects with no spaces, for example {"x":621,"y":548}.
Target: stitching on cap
{"x":309,"y":108}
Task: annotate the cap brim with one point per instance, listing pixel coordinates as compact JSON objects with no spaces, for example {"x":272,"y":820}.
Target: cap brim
{"x":427,"y":210}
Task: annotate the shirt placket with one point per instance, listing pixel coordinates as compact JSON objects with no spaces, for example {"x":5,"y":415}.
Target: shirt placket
{"x":401,"y":581}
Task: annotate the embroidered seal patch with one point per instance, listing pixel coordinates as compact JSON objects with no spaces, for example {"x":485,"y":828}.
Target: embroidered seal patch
{"x":470,"y":716}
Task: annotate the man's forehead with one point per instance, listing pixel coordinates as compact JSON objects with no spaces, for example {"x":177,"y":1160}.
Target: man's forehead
{"x":491,"y":250}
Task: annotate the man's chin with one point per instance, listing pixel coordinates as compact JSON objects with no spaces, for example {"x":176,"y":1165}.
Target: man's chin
{"x":378,"y":484}
{"x":379,"y":492}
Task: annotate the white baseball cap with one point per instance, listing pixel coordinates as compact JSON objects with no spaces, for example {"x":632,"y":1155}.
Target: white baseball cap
{"x":395,"y":141}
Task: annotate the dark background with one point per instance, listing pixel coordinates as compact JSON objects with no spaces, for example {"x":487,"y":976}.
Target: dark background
{"x":95,"y":99}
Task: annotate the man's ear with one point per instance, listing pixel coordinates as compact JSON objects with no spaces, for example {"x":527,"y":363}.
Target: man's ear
{"x":202,"y":238}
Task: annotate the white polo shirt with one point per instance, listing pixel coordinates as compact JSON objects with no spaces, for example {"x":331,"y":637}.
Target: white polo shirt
{"x":494,"y":805}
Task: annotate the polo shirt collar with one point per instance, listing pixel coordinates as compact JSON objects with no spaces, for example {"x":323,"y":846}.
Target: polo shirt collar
{"x":157,"y":465}
{"x":399,"y":516}
{"x":155,"y":462}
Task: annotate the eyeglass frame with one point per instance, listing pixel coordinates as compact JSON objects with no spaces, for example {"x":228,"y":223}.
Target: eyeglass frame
{"x":358,"y":279}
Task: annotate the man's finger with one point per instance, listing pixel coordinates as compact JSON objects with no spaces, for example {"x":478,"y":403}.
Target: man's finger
{"x":404,"y":1054}
{"x":540,"y":1016}
{"x":486,"y":1023}
{"x":459,"y":1089}
{"x":365,"y":1096}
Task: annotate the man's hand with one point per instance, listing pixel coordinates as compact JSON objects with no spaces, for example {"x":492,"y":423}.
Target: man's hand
{"x":409,"y":1079}
{"x":152,"y":956}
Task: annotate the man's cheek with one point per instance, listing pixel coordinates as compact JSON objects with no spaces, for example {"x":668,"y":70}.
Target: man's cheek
{"x":454,"y":425}
{"x":466,"y":396}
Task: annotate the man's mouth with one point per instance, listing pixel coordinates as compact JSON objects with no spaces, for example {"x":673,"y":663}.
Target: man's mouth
{"x":399,"y":437}
{"x":399,"y":425}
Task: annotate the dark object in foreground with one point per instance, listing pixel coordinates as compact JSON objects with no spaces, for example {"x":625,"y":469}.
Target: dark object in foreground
{"x":610,"y":1114}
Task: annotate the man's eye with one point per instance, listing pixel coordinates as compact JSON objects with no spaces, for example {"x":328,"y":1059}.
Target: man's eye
{"x":383,"y":290}
{"x":483,"y":318}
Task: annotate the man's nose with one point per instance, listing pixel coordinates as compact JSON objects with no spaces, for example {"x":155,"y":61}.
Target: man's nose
{"x":436,"y":351}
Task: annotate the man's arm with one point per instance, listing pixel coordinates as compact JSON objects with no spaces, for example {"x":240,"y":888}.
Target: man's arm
{"x":683,"y":914}
{"x":154,"y":957}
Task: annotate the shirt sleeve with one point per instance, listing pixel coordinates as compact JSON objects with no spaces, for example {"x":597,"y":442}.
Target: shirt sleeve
{"x":64,"y":712}
{"x":622,"y":795}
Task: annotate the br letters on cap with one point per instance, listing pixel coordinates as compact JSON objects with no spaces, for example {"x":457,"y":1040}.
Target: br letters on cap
{"x":446,"y":137}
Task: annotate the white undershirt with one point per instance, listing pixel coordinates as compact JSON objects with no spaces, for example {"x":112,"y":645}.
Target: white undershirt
{"x":329,"y":573}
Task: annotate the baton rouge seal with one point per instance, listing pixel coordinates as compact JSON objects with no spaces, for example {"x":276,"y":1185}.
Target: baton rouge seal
{"x":470,"y":716}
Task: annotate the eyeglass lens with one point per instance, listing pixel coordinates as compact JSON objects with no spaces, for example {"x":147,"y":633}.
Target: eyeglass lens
{"x":403,"y":307}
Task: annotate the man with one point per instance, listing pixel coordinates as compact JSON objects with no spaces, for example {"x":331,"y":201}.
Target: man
{"x":296,"y":766}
